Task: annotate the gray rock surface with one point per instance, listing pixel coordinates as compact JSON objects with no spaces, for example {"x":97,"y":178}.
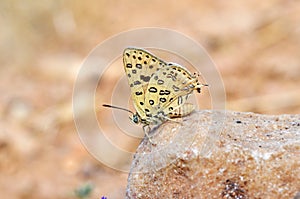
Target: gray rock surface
{"x":212,"y":154}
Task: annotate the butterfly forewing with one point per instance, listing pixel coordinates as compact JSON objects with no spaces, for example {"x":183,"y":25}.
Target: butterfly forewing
{"x":139,"y":66}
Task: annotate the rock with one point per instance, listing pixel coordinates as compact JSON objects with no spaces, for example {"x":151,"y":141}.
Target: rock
{"x":214,"y":154}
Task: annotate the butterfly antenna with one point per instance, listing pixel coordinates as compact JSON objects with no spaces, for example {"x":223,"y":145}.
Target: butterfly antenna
{"x":116,"y":107}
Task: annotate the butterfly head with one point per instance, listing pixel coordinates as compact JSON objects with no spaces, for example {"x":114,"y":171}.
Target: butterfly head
{"x":135,"y":118}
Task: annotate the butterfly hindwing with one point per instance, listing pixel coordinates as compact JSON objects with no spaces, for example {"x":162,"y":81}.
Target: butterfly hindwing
{"x":182,"y":111}
{"x":169,"y":88}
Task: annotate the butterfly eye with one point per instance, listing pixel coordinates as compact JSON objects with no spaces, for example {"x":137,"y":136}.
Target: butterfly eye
{"x":135,"y":118}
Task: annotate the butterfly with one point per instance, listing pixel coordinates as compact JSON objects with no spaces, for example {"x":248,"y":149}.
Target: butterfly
{"x":159,"y":89}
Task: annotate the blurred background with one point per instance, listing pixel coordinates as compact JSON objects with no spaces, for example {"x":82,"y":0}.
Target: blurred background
{"x":254,"y":44}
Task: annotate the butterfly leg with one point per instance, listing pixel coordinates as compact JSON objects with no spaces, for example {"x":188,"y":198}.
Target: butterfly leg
{"x":146,"y":131}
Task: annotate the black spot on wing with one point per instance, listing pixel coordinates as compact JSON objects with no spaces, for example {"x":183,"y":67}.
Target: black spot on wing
{"x":149,"y":115}
{"x":172,"y":76}
{"x":139,"y":93}
{"x":185,"y":88}
{"x":164,"y":92}
{"x":152,"y":89}
{"x":160,"y":82}
{"x":179,"y":100}
{"x":139,"y":66}
{"x":162,"y":99}
{"x":145,"y":78}
{"x":136,"y":82}
{"x":128,"y":65}
{"x":151,"y":102}
{"x":175,"y":88}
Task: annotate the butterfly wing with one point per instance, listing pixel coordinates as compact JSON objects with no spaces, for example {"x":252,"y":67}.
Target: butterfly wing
{"x":139,"y":67}
{"x":183,"y":110}
{"x":168,"y":90}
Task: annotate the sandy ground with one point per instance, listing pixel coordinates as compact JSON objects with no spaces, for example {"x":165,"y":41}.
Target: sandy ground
{"x":254,"y":44}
